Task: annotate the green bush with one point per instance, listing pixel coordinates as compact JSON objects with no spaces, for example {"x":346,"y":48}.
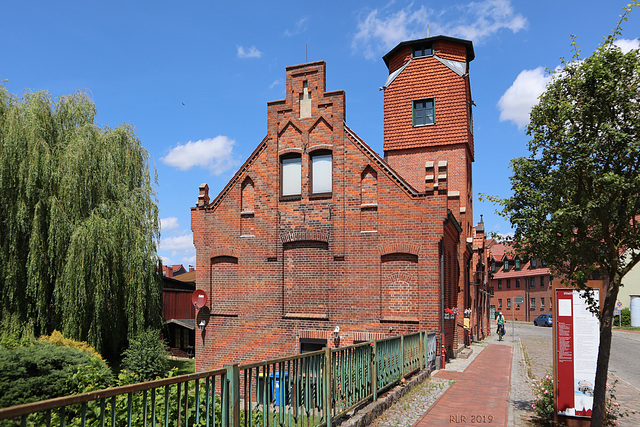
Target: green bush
{"x":625,"y":316}
{"x":543,"y":403}
{"x":147,"y":356}
{"x":42,"y":371}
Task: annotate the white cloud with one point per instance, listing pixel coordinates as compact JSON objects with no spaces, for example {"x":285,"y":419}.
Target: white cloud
{"x":275,"y":83}
{"x":487,"y":18}
{"x":188,"y":260}
{"x":214,"y":154}
{"x":381,"y":30}
{"x":168,"y":223}
{"x":300,"y":26}
{"x":177,"y":243}
{"x":516,"y":103}
{"x":627,"y":45}
{"x":251,"y":52}
{"x":180,"y":250}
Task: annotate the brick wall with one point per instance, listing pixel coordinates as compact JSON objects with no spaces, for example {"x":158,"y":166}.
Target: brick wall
{"x":364,"y":258}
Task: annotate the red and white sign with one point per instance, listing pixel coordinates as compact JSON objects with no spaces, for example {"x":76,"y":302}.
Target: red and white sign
{"x":577,"y":341}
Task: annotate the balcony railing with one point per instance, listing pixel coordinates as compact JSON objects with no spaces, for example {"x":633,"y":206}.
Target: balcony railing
{"x":310,"y":389}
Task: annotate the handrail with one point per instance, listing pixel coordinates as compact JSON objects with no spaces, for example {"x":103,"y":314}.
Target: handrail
{"x":309,"y":389}
{"x":57,"y":402}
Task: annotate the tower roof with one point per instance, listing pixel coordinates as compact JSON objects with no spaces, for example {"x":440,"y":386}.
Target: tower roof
{"x":468,"y":44}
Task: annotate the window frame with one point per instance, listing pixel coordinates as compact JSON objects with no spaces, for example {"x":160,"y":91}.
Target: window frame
{"x":508,"y":302}
{"x":414,"y":109}
{"x":532,"y":303}
{"x":319,"y":153}
{"x":508,"y":283}
{"x":289,"y":156}
{"x":422,"y":47}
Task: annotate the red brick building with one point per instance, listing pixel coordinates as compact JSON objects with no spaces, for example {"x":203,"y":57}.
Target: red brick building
{"x":317,"y":233}
{"x":512,"y":276}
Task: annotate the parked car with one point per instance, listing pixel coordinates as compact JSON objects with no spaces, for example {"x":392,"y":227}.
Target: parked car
{"x":543,"y":320}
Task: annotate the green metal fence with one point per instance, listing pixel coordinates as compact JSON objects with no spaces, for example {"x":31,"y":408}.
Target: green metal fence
{"x":310,"y":389}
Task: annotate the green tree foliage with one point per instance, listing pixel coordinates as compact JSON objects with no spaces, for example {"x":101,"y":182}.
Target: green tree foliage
{"x":42,"y":371}
{"x":576,"y":196}
{"x":79,"y":223}
{"x":147,"y":356}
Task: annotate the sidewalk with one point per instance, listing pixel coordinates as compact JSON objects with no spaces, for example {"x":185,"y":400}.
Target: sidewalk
{"x":480,"y":394}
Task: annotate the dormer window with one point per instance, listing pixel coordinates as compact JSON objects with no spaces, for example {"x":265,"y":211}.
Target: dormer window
{"x":517,"y":262}
{"x":506,"y":264}
{"x":534,"y":263}
{"x":421,"y":50}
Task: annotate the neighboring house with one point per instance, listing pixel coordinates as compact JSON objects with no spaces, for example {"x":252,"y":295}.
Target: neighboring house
{"x":316,"y":233}
{"x":630,"y":286}
{"x":178,"y":311}
{"x":173,"y":270}
{"x":512,"y":276}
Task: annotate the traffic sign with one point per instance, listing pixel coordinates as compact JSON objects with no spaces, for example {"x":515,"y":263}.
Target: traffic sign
{"x":619,"y":304}
{"x":519,"y":299}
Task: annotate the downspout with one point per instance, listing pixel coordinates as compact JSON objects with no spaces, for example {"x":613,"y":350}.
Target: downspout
{"x":440,"y":245}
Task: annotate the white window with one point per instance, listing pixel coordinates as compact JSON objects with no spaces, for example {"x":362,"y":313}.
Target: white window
{"x":291,"y":175}
{"x":321,"y":175}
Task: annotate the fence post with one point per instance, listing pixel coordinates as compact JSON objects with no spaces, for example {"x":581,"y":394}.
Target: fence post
{"x":374,"y":371}
{"x":401,"y":357}
{"x":327,"y":386}
{"x":423,"y":353}
{"x":233,"y":376}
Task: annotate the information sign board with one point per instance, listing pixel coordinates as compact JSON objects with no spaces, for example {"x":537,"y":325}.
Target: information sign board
{"x":577,"y":341}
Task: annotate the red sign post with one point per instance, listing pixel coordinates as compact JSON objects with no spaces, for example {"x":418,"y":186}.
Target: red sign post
{"x":576,"y":341}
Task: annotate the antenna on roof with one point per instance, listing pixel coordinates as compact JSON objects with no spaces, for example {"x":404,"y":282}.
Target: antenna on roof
{"x":306,"y":54}
{"x":427,"y":30}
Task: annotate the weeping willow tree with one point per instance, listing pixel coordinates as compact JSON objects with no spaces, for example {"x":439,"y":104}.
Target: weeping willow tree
{"x":78,"y":223}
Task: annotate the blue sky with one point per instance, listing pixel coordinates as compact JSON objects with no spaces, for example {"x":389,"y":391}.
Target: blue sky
{"x":195,"y":77}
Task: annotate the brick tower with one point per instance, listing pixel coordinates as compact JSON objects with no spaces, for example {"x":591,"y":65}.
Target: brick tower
{"x":428,"y":128}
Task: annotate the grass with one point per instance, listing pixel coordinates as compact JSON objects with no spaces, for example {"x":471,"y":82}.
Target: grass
{"x":627,"y":328}
{"x":185,"y":366}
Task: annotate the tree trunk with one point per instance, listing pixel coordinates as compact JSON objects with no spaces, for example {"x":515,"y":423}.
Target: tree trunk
{"x":604,"y":350}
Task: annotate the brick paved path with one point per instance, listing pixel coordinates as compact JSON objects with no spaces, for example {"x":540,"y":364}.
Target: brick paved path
{"x":480,"y":395}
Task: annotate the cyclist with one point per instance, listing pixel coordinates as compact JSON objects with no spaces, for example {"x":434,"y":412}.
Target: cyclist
{"x":500,"y":320}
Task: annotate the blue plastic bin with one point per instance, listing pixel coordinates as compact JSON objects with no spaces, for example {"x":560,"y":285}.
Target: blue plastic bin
{"x":275,"y":387}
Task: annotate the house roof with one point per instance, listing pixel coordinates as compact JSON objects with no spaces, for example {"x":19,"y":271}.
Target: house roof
{"x":185,"y":323}
{"x":189,"y":276}
{"x":468,"y":44}
{"x":375,"y":157}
